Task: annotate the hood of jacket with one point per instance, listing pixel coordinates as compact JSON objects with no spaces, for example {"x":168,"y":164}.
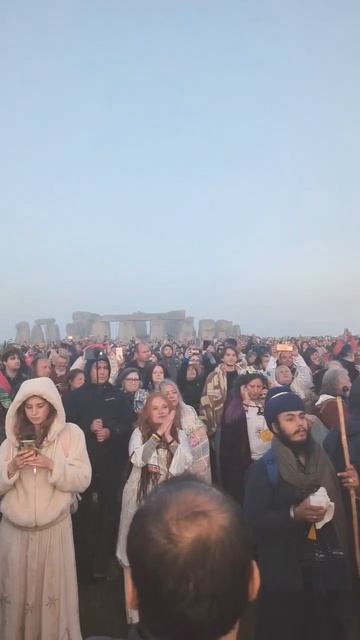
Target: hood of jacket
{"x":43,"y":388}
{"x":89,"y":364}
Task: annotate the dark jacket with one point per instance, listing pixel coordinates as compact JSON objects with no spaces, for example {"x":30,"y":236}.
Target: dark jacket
{"x":278,"y":537}
{"x":133,"y":364}
{"x":191,"y":390}
{"x":332,"y":446}
{"x":235,"y":457}
{"x":350,"y":368}
{"x":171,"y":365}
{"x":92,"y":401}
{"x":136,"y":632}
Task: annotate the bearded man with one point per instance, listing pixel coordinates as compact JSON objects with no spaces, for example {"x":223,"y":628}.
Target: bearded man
{"x":301,"y":538}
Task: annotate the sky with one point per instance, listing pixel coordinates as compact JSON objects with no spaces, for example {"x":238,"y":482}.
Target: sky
{"x":181,"y":154}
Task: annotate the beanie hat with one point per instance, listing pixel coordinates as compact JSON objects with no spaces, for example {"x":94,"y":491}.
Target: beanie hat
{"x":124,"y":374}
{"x":354,"y":396}
{"x":278,"y":400}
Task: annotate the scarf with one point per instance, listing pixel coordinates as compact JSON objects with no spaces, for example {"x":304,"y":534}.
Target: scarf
{"x":318,"y":472}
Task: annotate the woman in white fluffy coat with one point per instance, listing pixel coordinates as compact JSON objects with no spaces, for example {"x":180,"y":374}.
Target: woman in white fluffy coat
{"x":38,"y":586}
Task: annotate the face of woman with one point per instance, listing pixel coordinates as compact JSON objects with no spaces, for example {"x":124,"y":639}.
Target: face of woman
{"x":172,"y":395}
{"x":315,"y":358}
{"x":131,"y":383}
{"x":265,"y":360}
{"x":283,"y":375}
{"x":254,"y":389}
{"x":78,"y":381}
{"x":190,"y":373}
{"x":37,"y":410}
{"x":159,"y":410}
{"x":158,"y":374}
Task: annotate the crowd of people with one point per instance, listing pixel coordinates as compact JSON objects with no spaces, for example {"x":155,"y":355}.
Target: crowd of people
{"x":93,"y":436}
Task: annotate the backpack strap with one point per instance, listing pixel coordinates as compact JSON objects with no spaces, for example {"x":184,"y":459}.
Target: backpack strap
{"x":272,"y":468}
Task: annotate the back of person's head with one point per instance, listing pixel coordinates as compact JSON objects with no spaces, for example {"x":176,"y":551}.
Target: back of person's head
{"x":332,"y":381}
{"x":190,"y":557}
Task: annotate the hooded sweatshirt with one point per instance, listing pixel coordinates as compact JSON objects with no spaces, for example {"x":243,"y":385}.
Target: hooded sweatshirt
{"x":39,"y":499}
{"x":108,"y":403}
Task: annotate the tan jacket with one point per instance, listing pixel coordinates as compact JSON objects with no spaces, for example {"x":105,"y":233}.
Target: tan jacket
{"x":37,"y":499}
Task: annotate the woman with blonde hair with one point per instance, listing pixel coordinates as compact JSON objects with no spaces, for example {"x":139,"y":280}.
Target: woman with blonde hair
{"x":43,"y":464}
{"x":194,"y":428}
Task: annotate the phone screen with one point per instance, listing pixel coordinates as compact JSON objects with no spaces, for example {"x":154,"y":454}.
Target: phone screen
{"x":26,"y":445}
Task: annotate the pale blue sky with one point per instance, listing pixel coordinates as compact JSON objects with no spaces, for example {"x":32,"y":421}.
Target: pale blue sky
{"x":181,"y":154}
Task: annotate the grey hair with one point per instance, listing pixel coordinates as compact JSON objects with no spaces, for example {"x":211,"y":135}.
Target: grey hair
{"x":166,"y":383}
{"x":331,"y":381}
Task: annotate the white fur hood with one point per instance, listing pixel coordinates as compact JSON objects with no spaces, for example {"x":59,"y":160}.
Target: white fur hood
{"x":43,"y":388}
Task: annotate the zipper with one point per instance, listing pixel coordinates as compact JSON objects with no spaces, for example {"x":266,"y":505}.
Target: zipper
{"x":35,"y":518}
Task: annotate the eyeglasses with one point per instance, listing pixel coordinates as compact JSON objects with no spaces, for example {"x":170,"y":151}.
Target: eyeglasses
{"x":132,"y":379}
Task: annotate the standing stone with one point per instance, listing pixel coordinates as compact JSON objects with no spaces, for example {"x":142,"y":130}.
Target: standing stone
{"x":83,"y":321}
{"x":187,"y":330}
{"x":127,"y":330}
{"x":37,"y":336}
{"x":100,"y":330}
{"x":223,"y":329}
{"x":172,"y":327}
{"x":206,"y":329}
{"x":22,"y":332}
{"x":236,"y":331}
{"x":157,"y":329}
{"x":140,"y":329}
{"x":52,"y":332}
{"x":77,"y":330}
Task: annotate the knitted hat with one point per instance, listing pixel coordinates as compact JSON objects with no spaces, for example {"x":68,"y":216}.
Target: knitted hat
{"x":124,"y":374}
{"x":278,"y":400}
{"x":354,"y":397}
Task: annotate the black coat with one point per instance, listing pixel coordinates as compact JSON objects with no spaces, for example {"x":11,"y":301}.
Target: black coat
{"x":191,"y":390}
{"x":332,"y":446}
{"x":92,"y":401}
{"x":235,"y":457}
{"x":278,"y":537}
{"x":350,"y":368}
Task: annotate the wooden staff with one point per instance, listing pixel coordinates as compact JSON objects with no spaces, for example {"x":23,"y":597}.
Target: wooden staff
{"x":345,"y":448}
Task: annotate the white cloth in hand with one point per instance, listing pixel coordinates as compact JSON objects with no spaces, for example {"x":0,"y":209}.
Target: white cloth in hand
{"x":321,"y":499}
